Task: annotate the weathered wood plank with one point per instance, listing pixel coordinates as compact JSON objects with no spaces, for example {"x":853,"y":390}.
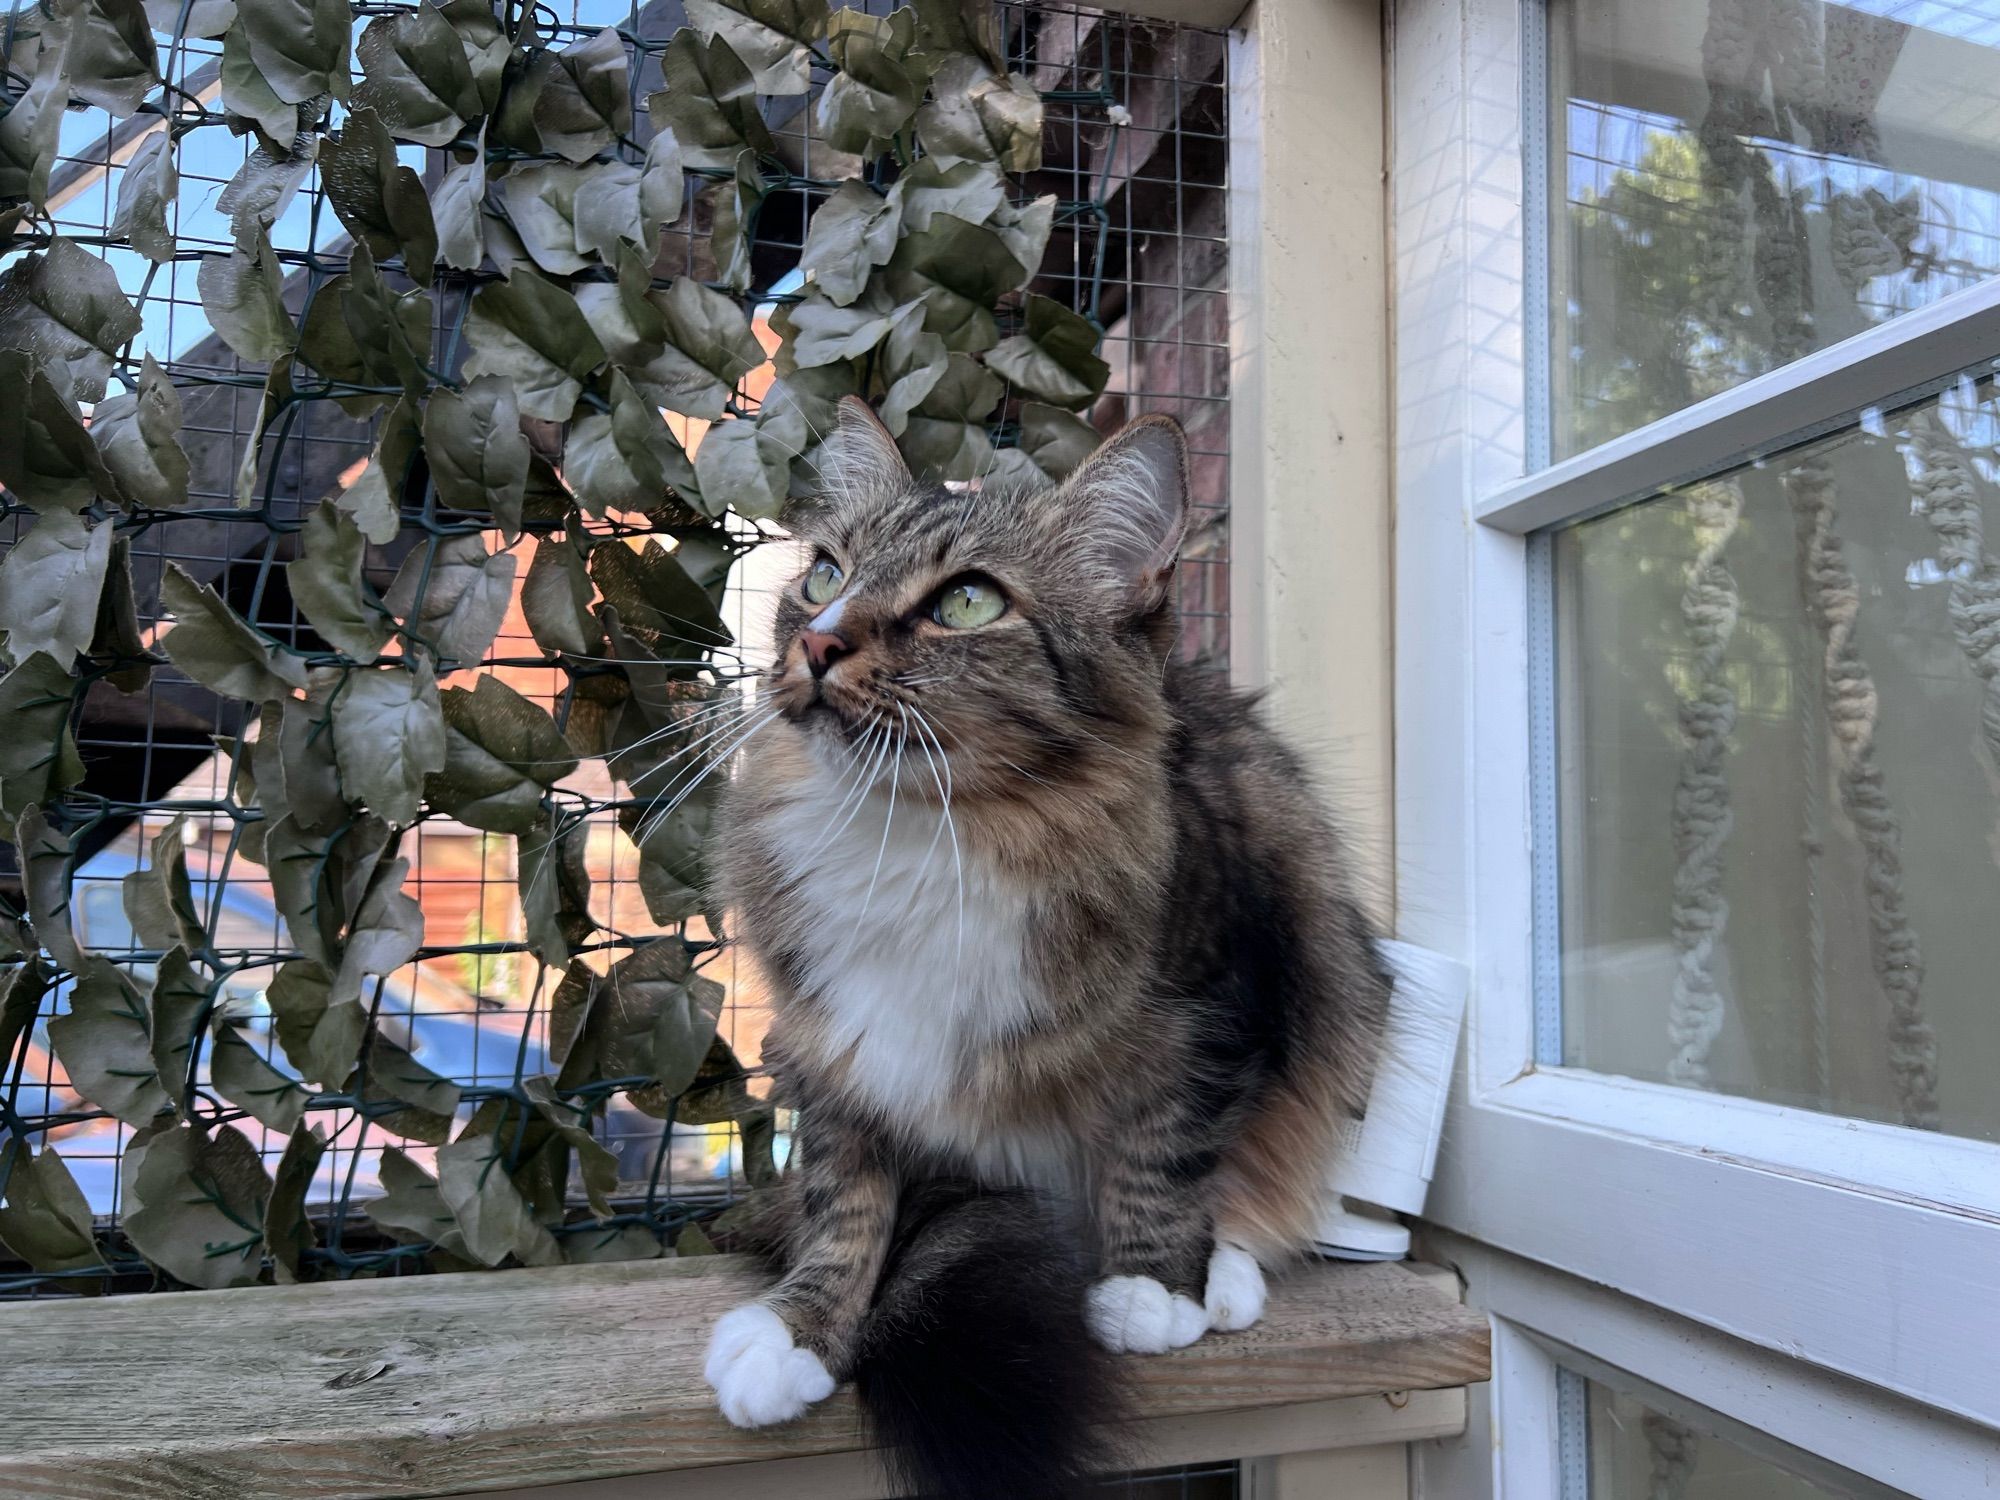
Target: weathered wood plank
{"x":450,"y":1384}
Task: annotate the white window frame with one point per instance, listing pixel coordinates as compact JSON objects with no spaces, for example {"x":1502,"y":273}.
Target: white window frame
{"x":1867,"y":1250}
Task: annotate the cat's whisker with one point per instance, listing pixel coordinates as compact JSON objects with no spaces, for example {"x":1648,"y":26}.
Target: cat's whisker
{"x":710,"y":735}
{"x":957,"y":857}
{"x":657,"y":814}
{"x":866,"y":784}
{"x":895,"y":777}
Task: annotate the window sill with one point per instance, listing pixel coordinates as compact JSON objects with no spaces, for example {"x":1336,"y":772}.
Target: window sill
{"x":448,"y":1384}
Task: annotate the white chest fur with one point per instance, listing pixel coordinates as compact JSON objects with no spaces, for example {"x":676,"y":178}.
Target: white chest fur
{"x":917,"y":956}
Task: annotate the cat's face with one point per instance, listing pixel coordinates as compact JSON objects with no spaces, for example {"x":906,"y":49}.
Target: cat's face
{"x":987,"y":637}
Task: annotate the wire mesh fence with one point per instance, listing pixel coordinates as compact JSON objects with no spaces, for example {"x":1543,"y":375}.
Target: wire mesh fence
{"x":472,"y":1026}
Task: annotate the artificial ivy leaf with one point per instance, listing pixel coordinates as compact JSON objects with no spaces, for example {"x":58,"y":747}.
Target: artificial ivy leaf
{"x":383,"y":203}
{"x":554,"y":885}
{"x":287,"y":1230}
{"x":46,"y":456}
{"x":22,"y":987}
{"x":1054,"y":356}
{"x":247,"y":94}
{"x":959,"y":270}
{"x":213,"y":645}
{"x":466,"y":591}
{"x":478,"y":454}
{"x":606,"y":212}
{"x":626,"y":457}
{"x":493,"y":1219}
{"x":38,"y":756}
{"x":388,"y":735}
{"x":311,"y":876}
{"x":321,"y":1039}
{"x":410,"y":1209}
{"x":194,"y":1204}
{"x":1025,"y":230}
{"x":31,"y":131}
{"x":159,"y":900}
{"x":596,"y":1165}
{"x":264,"y":186}
{"x":879,"y":85}
{"x":293,"y":760}
{"x":45,"y":857}
{"x":396,"y":1071}
{"x":50,"y":582}
{"x":658,"y":979}
{"x":109,"y":53}
{"x":138,"y":440}
{"x":818,"y":332}
{"x":745,"y":468}
{"x":911,"y":362}
{"x":299,"y":46}
{"x":46,"y":1220}
{"x":720,"y":1092}
{"x":177,"y":1009}
{"x":487,"y":47}
{"x":371,"y":497}
{"x":945,"y":437}
{"x":456,"y":211}
{"x":118,"y":639}
{"x":541,"y":203}
{"x":959,"y":26}
{"x":148,"y":188}
{"x":595,"y":1245}
{"x":388,"y":929}
{"x":556,"y":599}
{"x":852,"y":231}
{"x":710,"y":347}
{"x":573,"y":103}
{"x":710,"y":103}
{"x":692,"y":1241}
{"x":65,"y":305}
{"x":532,"y":332}
{"x":662,"y":188}
{"x":417,"y":76}
{"x":327,"y":584}
{"x":970,"y":191}
{"x":655,"y":598}
{"x":277,"y":395}
{"x":243,"y":298}
{"x":501,"y":753}
{"x":734,"y":222}
{"x":672,"y":875}
{"x":390,"y":331}
{"x":774,"y":38}
{"x":244,"y":1077}
{"x":104,"y":1042}
{"x":979,"y":114}
{"x":799,"y":409}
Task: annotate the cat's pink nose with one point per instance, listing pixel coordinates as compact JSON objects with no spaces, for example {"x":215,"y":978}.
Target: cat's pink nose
{"x":823,"y":648}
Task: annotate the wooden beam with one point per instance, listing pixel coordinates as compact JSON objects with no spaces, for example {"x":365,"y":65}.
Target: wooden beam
{"x":464,"y":1383}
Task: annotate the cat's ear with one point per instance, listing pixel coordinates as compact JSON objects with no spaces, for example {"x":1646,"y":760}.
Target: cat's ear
{"x":860,"y":457}
{"x":1132,"y":495}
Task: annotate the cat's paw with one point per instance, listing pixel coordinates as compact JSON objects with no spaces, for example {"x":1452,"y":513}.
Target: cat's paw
{"x":759,"y":1375}
{"x":1137,"y":1315}
{"x":1235,"y":1292}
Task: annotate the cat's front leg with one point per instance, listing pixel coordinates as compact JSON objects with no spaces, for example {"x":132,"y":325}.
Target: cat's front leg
{"x":770,"y":1359}
{"x":1154,"y":1226}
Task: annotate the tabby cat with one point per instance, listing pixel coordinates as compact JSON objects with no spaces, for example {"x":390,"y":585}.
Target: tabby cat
{"x":1071,"y":988}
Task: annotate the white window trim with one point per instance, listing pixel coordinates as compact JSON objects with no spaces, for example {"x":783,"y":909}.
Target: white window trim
{"x":1865,"y":1249}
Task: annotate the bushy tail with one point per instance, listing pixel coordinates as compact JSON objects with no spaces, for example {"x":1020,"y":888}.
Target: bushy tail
{"x":975,"y":1368}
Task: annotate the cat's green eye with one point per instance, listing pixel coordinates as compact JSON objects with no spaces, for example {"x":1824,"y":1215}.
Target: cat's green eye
{"x":967,"y":602}
{"x":824,"y":581}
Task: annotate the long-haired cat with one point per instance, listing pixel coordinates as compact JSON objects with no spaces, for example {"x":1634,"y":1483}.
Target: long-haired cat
{"x":1071,"y":991}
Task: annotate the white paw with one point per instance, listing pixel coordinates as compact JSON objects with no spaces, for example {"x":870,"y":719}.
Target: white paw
{"x":759,"y":1375}
{"x":1235,"y":1288}
{"x":1136,"y":1315}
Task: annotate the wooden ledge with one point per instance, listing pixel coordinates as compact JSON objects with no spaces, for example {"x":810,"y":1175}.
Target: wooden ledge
{"x":439,"y":1385}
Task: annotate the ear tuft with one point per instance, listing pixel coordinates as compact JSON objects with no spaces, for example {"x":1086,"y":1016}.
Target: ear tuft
{"x":1133,"y":495}
{"x":860,"y":457}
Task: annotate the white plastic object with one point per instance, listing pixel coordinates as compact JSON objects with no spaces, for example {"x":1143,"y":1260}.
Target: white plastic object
{"x":1384,"y":1161}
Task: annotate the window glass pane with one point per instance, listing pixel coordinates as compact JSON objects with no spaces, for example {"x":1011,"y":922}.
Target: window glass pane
{"x":1737,"y":183}
{"x":1637,"y":1453}
{"x":1778,"y":776}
